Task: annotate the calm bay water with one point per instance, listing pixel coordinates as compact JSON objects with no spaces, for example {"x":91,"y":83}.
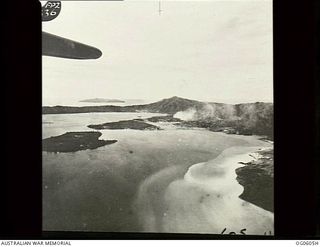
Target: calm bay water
{"x":163,"y":181}
{"x":58,"y":124}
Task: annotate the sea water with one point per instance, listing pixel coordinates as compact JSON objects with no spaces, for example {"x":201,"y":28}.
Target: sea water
{"x":162,"y":181}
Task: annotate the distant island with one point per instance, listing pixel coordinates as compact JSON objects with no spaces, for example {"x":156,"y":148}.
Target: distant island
{"x":101,"y":100}
{"x":243,"y":119}
{"x":74,"y":141}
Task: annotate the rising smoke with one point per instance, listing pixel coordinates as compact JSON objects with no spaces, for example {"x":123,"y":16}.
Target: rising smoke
{"x":187,"y":115}
{"x":209,"y":112}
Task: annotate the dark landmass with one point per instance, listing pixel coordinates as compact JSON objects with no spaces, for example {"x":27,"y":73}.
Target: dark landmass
{"x":100,"y":100}
{"x":74,"y":141}
{"x":168,"y":118}
{"x":87,"y":109}
{"x":239,"y":127}
{"x":257,"y":179}
{"x":173,"y":105}
{"x":126,"y":124}
{"x":243,"y":119}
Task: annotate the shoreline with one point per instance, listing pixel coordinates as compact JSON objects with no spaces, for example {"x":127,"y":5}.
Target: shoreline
{"x":244,"y":119}
{"x":256,"y":177}
{"x":118,"y":170}
{"x":74,"y":141}
{"x":182,"y":198}
{"x":102,"y":183}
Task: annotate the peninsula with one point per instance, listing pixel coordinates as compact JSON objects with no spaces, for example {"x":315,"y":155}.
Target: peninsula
{"x":135,"y":124}
{"x":74,"y":141}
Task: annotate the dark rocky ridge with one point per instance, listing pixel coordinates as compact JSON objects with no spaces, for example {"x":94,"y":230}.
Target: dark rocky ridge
{"x":173,"y":105}
{"x":74,"y":141}
{"x":257,"y":179}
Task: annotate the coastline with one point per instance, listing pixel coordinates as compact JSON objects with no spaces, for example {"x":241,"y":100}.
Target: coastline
{"x":256,"y":177}
{"x":103,"y":183}
{"x":126,"y":186}
{"x":206,"y":194}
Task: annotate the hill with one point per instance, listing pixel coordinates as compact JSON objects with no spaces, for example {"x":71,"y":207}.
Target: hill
{"x":173,"y":105}
{"x":249,"y":118}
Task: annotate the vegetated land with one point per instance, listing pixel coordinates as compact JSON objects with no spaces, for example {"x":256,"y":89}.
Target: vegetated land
{"x":168,"y":118}
{"x":74,"y":141}
{"x":257,"y":179}
{"x":135,"y":124}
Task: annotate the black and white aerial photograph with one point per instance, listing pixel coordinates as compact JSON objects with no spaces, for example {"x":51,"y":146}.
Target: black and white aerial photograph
{"x":157,"y":116}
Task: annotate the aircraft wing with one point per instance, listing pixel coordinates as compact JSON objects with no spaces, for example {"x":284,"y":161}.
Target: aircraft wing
{"x":56,"y":46}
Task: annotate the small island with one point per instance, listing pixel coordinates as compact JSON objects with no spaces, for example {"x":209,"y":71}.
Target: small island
{"x":74,"y":141}
{"x":168,"y":118}
{"x":257,"y":179}
{"x":101,"y":100}
{"x":135,"y":124}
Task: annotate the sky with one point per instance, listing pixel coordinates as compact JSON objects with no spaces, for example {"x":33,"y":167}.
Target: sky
{"x":216,"y":51}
